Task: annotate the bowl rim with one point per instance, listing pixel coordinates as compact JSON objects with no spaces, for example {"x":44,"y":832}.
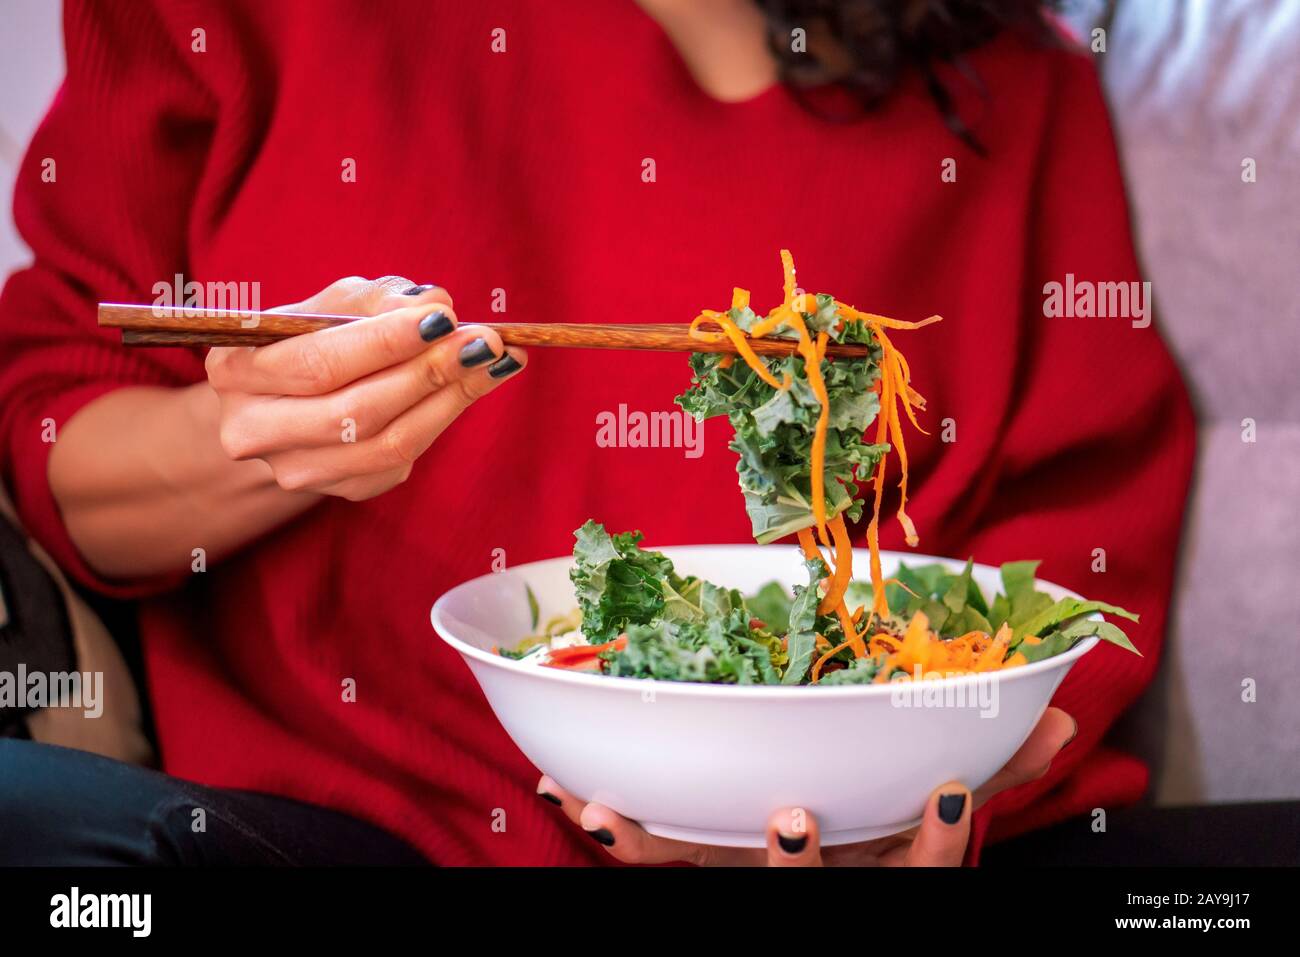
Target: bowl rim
{"x":707,"y":690}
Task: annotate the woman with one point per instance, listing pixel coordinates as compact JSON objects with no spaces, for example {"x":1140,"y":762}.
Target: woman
{"x":626,"y":164}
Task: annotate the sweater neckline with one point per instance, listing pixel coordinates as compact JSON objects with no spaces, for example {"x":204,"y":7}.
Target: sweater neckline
{"x":685,"y":80}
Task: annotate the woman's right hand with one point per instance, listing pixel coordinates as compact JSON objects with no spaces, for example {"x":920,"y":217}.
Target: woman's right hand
{"x":347,"y":411}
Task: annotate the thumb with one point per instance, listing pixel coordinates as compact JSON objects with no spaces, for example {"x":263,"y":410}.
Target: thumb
{"x":945,"y":829}
{"x":793,"y":839}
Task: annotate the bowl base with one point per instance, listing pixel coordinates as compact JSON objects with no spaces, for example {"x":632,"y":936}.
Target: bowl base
{"x":751,"y":839}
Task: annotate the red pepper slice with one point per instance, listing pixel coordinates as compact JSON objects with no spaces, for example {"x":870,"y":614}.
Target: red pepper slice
{"x":564,"y":657}
{"x":594,"y":665}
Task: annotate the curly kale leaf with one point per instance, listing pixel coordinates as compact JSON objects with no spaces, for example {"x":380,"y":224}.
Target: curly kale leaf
{"x":617,"y":583}
{"x":862,"y":671}
{"x":801,"y":640}
{"x":719,"y":650}
{"x":679,"y":628}
{"x":771,"y":605}
{"x":955,"y":605}
{"x":774,"y":428}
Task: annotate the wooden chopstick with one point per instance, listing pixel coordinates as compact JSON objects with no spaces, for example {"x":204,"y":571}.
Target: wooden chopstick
{"x":177,"y":326}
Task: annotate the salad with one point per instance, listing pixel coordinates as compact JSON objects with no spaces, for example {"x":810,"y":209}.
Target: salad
{"x":638,"y":618}
{"x":800,"y":427}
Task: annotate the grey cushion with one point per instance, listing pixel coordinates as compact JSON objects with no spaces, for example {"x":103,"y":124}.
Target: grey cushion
{"x":1195,"y":88}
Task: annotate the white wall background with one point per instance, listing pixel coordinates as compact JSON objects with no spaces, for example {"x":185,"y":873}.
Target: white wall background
{"x":31,"y":67}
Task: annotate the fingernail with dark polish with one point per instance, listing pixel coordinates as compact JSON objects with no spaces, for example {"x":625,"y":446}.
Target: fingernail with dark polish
{"x":476,"y":353}
{"x":504,"y":366}
{"x":603,"y":835}
{"x":550,"y":797}
{"x":434,"y":326}
{"x":950,"y":807}
{"x":792,"y":845}
{"x":418,"y":290}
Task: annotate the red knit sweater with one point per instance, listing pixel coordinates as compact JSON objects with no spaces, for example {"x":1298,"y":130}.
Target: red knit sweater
{"x":522,"y":171}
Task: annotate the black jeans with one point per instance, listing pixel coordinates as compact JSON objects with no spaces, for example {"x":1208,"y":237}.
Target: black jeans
{"x":65,"y":807}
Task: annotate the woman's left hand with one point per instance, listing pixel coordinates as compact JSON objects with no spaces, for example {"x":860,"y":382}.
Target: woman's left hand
{"x":792,"y":834}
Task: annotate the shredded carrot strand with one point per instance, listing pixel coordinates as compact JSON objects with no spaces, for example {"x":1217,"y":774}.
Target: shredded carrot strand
{"x":896,"y":439}
{"x":846,"y":622}
{"x":879,"y":604}
{"x":814,"y":373}
{"x":884,"y":321}
{"x":695,"y":332}
{"x":812,"y":369}
{"x":810,"y":550}
{"x":894,"y":388}
{"x":912,"y":399}
{"x":817,"y":665}
{"x":737,"y":337}
{"x":854,"y":641}
{"x":843,"y":566}
{"x":770,"y":322}
{"x":991,"y":658}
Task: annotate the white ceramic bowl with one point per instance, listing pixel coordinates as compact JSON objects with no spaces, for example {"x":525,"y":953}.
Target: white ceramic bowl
{"x":709,"y":763}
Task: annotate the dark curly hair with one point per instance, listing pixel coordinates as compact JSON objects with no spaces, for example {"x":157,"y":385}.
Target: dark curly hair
{"x":865,"y":46}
